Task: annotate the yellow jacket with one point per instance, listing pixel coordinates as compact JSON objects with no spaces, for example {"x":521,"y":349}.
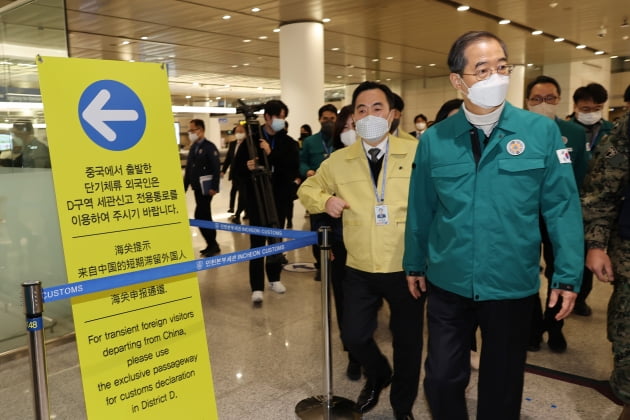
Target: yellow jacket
{"x":346,"y":174}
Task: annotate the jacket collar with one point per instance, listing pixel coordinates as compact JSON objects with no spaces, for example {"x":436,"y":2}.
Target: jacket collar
{"x":507,"y":121}
{"x":356,"y":151}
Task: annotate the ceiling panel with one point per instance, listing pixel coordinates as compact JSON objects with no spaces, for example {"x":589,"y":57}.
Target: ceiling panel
{"x":395,"y":40}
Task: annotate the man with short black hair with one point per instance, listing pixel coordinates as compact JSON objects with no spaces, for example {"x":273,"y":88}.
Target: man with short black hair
{"x":360,"y":182}
{"x":542,"y":97}
{"x":203,"y":174}
{"x":281,"y":152}
{"x":315,"y":149}
{"x":35,"y":154}
{"x":588,"y":103}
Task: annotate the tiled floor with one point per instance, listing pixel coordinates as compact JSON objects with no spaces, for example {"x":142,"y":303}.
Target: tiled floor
{"x":267,"y":359}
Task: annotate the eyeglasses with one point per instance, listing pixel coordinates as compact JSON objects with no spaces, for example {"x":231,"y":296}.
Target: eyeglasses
{"x":485,"y":72}
{"x":537,"y":100}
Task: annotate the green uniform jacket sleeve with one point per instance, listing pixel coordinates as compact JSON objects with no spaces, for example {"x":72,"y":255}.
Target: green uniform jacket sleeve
{"x":422,"y":201}
{"x":560,"y":207}
{"x":604,"y":184}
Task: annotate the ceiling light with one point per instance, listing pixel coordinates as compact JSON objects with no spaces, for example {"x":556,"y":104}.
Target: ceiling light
{"x":374,"y":60}
{"x":262,"y":37}
{"x":390,"y":58}
{"x":247,"y":40}
{"x":339,"y":77}
{"x":504,"y":21}
{"x":255,"y":9}
{"x":625,"y":37}
{"x":125,"y":43}
{"x":553,"y":4}
{"x":418,"y":67}
{"x":217,"y":98}
{"x":144,"y":38}
{"x":559,"y":39}
{"x":432,"y":65}
{"x":463,"y":8}
{"x":259,"y":88}
{"x":614,"y":56}
{"x":245,"y":64}
{"x":530,"y":65}
{"x":196,"y":84}
{"x":234,"y":66}
{"x":600,"y":52}
{"x":334,"y":49}
{"x":277,"y":30}
{"x":326,"y":20}
{"x":537,"y":32}
{"x":580,"y":47}
{"x":188,"y":96}
{"x":226,"y":17}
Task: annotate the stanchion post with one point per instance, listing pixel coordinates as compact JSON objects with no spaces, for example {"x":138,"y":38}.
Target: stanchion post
{"x":33,"y":309}
{"x":324,"y":250}
{"x":326,"y":406}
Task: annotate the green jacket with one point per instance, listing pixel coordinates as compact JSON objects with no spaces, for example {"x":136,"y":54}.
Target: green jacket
{"x":574,"y":136}
{"x":314,"y":151}
{"x":474,"y":230}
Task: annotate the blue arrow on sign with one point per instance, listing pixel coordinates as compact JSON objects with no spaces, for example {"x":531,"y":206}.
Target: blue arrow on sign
{"x":112,"y":115}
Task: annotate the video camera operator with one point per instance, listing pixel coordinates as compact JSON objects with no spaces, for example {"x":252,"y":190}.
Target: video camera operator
{"x":276,"y":162}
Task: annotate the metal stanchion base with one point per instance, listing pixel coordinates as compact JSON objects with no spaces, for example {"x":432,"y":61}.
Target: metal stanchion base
{"x":315,"y":408}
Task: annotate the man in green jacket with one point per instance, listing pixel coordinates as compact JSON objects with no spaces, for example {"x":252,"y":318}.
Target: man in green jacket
{"x":482,"y":179}
{"x":543,"y":97}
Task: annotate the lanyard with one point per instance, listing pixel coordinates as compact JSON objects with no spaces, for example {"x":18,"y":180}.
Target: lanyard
{"x":381,"y":199}
{"x":327,"y":150}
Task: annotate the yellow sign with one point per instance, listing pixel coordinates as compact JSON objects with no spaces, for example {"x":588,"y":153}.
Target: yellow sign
{"x":120,"y":196}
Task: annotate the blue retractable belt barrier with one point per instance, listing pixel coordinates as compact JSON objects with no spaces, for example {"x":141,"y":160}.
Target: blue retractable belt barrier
{"x":299,"y":239}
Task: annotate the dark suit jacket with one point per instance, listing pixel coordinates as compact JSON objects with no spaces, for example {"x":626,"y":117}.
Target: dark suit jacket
{"x":203,"y":159}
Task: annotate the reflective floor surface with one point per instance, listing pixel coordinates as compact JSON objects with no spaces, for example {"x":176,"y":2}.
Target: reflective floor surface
{"x":266,"y":359}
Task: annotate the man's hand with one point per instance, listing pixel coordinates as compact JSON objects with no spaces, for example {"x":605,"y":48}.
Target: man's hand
{"x":211,"y":193}
{"x":265,"y":146}
{"x":599,"y":263}
{"x":568,"y":301}
{"x":310,"y":172}
{"x":335,"y":206}
{"x":417,"y":285}
{"x":251,"y":164}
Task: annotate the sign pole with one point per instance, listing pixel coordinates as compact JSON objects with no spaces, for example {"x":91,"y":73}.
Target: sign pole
{"x":33,"y":308}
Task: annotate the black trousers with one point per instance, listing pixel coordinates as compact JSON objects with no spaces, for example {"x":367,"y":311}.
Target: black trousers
{"x":363,"y":296}
{"x":504,"y":325}
{"x":203,"y":211}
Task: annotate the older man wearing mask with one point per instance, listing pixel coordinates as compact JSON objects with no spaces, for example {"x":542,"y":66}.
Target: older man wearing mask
{"x":482,"y":178}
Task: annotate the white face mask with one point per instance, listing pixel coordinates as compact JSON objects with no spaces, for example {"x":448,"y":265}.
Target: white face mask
{"x":589,"y":118}
{"x":372,"y":128}
{"x":490,"y":92}
{"x":239,"y":136}
{"x":348,"y":137}
{"x":543,"y":108}
{"x":277,"y":124}
{"x":421,"y":126}
{"x":193,"y":136}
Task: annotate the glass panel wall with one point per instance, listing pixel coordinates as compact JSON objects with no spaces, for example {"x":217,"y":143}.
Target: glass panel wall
{"x":30,"y":243}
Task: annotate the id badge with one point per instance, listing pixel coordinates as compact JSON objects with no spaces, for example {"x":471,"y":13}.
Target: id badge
{"x":382,"y":217}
